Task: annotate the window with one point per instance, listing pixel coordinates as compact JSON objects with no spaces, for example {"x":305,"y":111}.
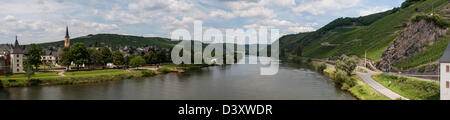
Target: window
{"x":18,"y":70}
{"x":447,"y":84}
{"x":448,"y":67}
{"x":17,"y":56}
{"x":17,"y":65}
{"x":17,"y":60}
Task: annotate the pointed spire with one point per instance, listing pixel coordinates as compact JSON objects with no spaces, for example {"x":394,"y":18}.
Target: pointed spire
{"x":16,"y":42}
{"x":67,"y":32}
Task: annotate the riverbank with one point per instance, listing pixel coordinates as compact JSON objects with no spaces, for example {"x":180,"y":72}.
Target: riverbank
{"x":360,"y":90}
{"x":90,"y":76}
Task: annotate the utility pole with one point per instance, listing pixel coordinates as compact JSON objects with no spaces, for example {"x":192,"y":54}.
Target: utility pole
{"x":365,"y":58}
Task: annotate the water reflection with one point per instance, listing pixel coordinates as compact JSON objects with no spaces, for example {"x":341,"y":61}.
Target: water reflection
{"x":233,"y":82}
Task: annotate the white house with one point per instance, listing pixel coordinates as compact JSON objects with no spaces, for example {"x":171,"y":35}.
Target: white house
{"x":445,"y":74}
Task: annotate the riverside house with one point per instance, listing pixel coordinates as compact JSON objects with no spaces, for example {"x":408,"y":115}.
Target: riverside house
{"x":445,"y":74}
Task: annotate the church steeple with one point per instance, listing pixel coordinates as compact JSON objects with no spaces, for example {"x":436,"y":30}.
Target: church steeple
{"x":16,"y":43}
{"x":67,"y":38}
{"x":67,"y":32}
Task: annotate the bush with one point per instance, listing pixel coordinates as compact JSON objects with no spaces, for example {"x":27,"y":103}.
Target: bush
{"x":341,"y":78}
{"x":321,"y":66}
{"x":348,"y":65}
{"x":436,"y":19}
{"x":148,"y":73}
{"x":34,"y":82}
{"x":164,"y":70}
{"x":422,"y":69}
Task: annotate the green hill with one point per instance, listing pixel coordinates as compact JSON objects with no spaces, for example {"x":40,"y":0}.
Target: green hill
{"x":373,"y":33}
{"x":114,"y":40}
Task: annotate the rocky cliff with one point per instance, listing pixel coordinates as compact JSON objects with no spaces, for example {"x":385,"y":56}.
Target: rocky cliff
{"x":411,"y":41}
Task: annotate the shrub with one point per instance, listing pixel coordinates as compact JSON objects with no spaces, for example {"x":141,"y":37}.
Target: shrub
{"x":164,"y":70}
{"x":34,"y":82}
{"x":422,"y":69}
{"x":436,"y":19}
{"x":348,"y":65}
{"x":340,"y":77}
{"x":11,"y":81}
{"x":321,"y":66}
{"x":147,"y":73}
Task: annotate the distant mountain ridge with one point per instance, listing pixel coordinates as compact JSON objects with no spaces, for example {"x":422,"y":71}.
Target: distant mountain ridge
{"x":116,"y":40}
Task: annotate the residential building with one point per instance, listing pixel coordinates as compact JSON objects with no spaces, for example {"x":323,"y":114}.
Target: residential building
{"x":445,"y":74}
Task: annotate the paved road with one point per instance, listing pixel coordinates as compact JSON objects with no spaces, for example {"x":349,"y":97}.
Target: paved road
{"x":410,"y":76}
{"x":366,"y":77}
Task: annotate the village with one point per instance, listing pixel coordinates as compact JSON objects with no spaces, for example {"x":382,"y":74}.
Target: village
{"x":12,"y":56}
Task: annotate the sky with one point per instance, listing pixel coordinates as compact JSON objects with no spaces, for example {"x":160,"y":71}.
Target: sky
{"x":38,"y":21}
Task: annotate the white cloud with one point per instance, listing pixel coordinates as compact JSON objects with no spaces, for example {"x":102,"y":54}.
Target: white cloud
{"x":373,"y":10}
{"x":122,"y":16}
{"x":318,"y":7}
{"x":299,"y":29}
{"x":287,"y":3}
{"x":257,"y":12}
{"x":222,"y":14}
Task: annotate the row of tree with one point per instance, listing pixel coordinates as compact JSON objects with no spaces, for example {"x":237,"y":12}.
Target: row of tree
{"x":80,"y":55}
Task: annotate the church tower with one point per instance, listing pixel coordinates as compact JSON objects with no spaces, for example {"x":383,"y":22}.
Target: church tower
{"x":16,"y":57}
{"x":67,"y":38}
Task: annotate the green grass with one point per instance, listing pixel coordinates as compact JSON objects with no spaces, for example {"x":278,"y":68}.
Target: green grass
{"x":95,"y":73}
{"x":360,"y":70}
{"x":427,"y":56}
{"x":409,"y":87}
{"x":364,"y":92}
{"x":36,"y":75}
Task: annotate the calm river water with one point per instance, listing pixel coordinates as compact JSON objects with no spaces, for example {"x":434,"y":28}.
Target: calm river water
{"x":233,"y":82}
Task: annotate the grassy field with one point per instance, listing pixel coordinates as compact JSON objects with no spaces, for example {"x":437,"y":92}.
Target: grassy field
{"x":96,"y":73}
{"x":37,"y":75}
{"x":361,"y":90}
{"x":409,"y":87}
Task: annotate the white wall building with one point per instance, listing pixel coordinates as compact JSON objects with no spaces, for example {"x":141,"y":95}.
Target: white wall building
{"x":445,"y":74}
{"x":17,"y":55}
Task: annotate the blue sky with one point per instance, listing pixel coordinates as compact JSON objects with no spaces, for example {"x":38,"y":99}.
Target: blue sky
{"x":36,"y":21}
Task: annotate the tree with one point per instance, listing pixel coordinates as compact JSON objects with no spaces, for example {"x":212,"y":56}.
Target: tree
{"x":299,"y":51}
{"x":94,"y":56}
{"x":28,"y":67}
{"x":118,"y":58}
{"x":150,"y":57}
{"x":34,"y":55}
{"x":66,"y":58}
{"x":348,"y":64}
{"x":137,"y":61}
{"x":161,"y":56}
{"x":105,"y":56}
{"x":80,"y":54}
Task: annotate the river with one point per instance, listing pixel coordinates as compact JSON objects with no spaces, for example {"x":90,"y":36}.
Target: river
{"x":232,"y":82}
